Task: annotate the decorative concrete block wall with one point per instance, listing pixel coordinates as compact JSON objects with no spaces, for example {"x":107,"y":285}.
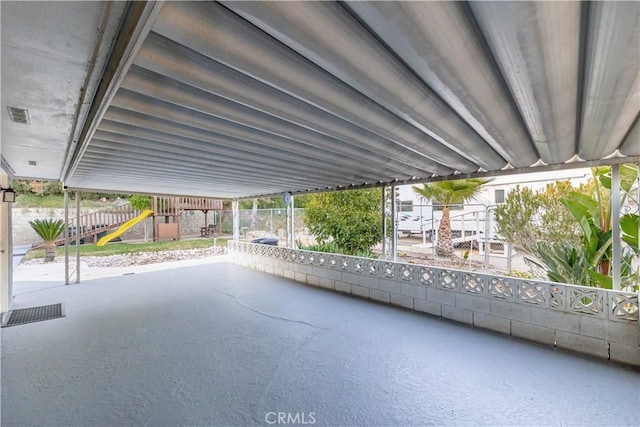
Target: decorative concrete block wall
{"x":588,"y":320}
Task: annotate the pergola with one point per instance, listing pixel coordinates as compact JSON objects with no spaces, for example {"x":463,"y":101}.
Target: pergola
{"x":245,"y":99}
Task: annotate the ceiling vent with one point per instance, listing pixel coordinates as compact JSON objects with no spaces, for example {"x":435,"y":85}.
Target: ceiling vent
{"x":19,"y":115}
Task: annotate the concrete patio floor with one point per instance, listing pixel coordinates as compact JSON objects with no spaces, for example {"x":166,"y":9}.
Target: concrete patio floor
{"x":218,"y":344}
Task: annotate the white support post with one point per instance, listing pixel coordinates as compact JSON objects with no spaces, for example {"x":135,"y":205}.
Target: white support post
{"x":236,"y":220}
{"x":293,"y":223}
{"x":6,"y":250}
{"x":287,"y":226}
{"x":10,"y":247}
{"x":615,"y":226}
{"x":78,"y":236}
{"x":394,"y":225}
{"x":289,"y":233}
{"x":67,"y":234}
{"x":487,"y":230}
{"x":384,"y":222}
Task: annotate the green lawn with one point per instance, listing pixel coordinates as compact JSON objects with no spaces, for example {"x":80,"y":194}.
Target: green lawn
{"x":118,"y":248}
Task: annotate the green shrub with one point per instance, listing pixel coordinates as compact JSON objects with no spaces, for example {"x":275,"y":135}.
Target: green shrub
{"x":328,"y":247}
{"x":140,"y":202}
{"x":351,"y":220}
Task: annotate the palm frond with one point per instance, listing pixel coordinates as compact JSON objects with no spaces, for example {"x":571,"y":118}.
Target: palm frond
{"x":451,"y":192}
{"x":48,"y":229}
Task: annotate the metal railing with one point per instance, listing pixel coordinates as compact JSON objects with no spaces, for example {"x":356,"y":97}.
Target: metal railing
{"x":265,"y":221}
{"x":474,"y":228}
{"x":173,"y":206}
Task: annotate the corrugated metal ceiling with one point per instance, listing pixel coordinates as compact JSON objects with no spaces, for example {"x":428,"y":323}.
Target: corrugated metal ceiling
{"x":239,"y":99}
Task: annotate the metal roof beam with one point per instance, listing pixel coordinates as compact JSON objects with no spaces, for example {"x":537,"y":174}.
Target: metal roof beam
{"x":488,"y":174}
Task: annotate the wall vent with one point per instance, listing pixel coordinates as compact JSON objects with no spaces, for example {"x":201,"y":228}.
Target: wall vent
{"x":19,"y":115}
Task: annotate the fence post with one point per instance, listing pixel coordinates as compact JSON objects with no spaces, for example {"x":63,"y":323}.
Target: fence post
{"x":434,"y":233}
{"x":487,"y":228}
{"x":477,"y":215}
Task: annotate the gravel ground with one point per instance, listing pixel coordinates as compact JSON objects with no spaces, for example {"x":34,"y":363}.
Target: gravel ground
{"x":142,"y":258}
{"x":454,"y":262}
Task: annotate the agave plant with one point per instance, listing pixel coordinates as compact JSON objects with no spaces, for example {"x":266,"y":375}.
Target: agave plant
{"x":564,"y":263}
{"x":49,"y":230}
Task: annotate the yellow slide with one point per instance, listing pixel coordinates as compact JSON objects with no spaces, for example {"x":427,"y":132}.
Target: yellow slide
{"x":124,"y":227}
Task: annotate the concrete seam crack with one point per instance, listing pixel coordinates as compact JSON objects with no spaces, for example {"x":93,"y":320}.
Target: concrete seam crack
{"x":262,"y":313}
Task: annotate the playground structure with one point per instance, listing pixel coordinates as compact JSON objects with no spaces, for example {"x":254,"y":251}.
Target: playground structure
{"x":170,"y":209}
{"x":103,"y":226}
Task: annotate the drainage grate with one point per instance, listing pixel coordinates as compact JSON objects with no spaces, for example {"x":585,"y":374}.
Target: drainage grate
{"x":34,"y":314}
{"x":19,"y":115}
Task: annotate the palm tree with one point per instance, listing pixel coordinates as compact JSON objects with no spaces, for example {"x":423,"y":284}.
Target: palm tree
{"x":448,"y":193}
{"x":49,"y":230}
